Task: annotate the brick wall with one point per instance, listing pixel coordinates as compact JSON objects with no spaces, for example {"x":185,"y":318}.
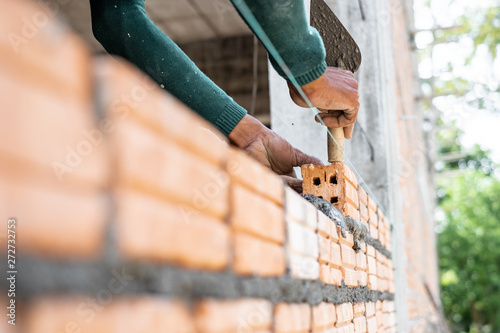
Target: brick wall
{"x":133,"y":216}
{"x":414,"y":178}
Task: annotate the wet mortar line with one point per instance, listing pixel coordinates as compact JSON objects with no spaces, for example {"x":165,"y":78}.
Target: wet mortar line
{"x":347,"y":224}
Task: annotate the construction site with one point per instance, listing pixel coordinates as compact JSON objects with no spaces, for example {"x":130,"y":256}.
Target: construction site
{"x":128,"y":208}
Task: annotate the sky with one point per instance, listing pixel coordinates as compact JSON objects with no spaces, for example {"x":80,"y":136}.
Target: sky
{"x":481,"y":127}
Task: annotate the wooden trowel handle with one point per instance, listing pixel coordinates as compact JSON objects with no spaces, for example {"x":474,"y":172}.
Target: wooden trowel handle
{"x":336,"y":154}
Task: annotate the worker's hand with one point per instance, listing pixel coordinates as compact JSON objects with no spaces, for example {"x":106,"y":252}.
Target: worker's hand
{"x":270,"y":149}
{"x":335,"y":91}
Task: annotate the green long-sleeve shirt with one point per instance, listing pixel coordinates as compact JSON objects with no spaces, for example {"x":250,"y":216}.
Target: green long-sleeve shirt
{"x":124,"y":29}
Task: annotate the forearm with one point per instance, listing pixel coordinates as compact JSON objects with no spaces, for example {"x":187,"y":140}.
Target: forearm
{"x":124,"y":29}
{"x":285,"y":24}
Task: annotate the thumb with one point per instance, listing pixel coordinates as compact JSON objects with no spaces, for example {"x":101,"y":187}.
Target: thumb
{"x":301,"y":159}
{"x":294,"y":183}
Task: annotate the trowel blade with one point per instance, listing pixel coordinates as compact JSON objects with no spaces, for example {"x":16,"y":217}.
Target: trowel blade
{"x":341,"y":49}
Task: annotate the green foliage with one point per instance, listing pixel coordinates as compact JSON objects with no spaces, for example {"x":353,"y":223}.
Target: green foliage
{"x":487,"y":32}
{"x":469,"y":252}
{"x":469,"y":226}
{"x":449,"y":143}
{"x":482,"y":26}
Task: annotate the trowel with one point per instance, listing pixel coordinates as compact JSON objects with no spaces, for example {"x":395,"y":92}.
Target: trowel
{"x":342,"y":52}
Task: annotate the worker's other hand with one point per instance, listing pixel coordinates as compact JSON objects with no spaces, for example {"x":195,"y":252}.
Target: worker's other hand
{"x":335,"y":91}
{"x":270,"y":149}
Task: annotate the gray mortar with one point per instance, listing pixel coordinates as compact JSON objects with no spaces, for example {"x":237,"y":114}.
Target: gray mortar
{"x":38,"y":277}
{"x":341,"y":49}
{"x":356,"y":228}
{"x":329,"y":210}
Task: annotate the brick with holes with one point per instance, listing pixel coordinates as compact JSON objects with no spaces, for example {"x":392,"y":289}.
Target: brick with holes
{"x":335,"y":183}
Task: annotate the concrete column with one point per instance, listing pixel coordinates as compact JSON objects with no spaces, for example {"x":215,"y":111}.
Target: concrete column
{"x":294,"y":123}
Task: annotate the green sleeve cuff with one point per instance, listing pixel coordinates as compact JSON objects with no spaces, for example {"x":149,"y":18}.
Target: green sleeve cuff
{"x":312,"y":74}
{"x":229,"y":118}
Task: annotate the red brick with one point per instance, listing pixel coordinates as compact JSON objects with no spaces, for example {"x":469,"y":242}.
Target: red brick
{"x":336,"y":276}
{"x":130,"y":94}
{"x":346,"y":173}
{"x":380,"y":270}
{"x":301,"y":240}
{"x":290,"y":318}
{"x":33,"y":51}
{"x":351,"y":194}
{"x":349,"y":210}
{"x":335,"y":183}
{"x":372,"y":265}
{"x":363,"y":213}
{"x":135,"y":315}
{"x":300,"y":210}
{"x":324,"y":274}
{"x":370,"y":309}
{"x":185,"y":237}
{"x":359,"y":309}
{"x":43,"y":139}
{"x":360,"y":324}
{"x":245,"y":170}
{"x":256,"y":215}
{"x":347,"y":240}
{"x":363,"y":197}
{"x":349,"y":328}
{"x":381,"y":236}
{"x":371,"y":325}
{"x":334,"y":232}
{"x":254,"y":256}
{"x":173,"y":173}
{"x":350,"y":277}
{"x":362,"y":278}
{"x":344,"y":313}
{"x":361,"y":261}
{"x":348,"y":256}
{"x":302,"y":267}
{"x":336,"y":256}
{"x":372,"y":205}
{"x":54,"y":222}
{"x":373,"y":218}
{"x":362,"y":247}
{"x":325,"y":225}
{"x":324,"y":250}
{"x":372,"y":282}
{"x":374,"y":232}
{"x":388,"y":306}
{"x":370,"y":251}
{"x":242,"y":315}
{"x":379,"y":315}
{"x":381,"y":216}
{"x":323,"y":316}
